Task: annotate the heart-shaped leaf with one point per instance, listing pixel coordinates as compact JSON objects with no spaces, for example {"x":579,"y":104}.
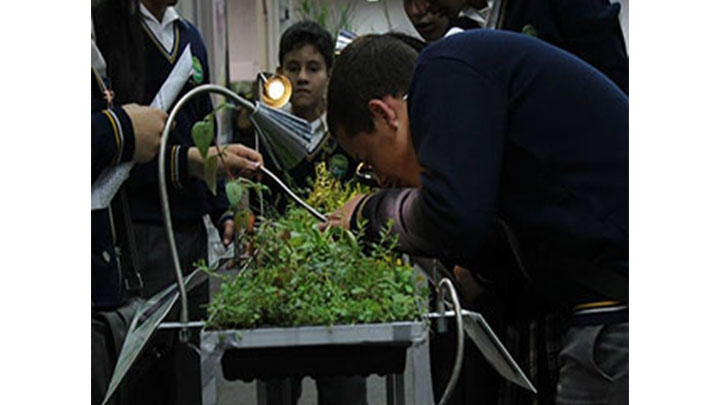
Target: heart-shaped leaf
{"x":202,"y":135}
{"x":210,"y":173}
{"x":234,"y":193}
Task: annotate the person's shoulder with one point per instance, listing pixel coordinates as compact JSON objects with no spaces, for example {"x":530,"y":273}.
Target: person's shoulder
{"x":457,"y":45}
{"x":482,"y":44}
{"x":192,"y":33}
{"x":187,"y":25}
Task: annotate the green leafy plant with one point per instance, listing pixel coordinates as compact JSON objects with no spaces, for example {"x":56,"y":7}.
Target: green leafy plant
{"x":299,"y":275}
{"x":293,"y":274}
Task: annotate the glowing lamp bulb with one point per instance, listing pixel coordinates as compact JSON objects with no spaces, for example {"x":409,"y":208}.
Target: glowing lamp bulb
{"x":276,"y":89}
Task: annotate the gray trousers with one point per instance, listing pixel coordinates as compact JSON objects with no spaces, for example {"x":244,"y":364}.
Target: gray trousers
{"x":595,"y":366}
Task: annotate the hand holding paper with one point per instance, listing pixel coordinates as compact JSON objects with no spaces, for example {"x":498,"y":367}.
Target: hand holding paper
{"x":110,"y":180}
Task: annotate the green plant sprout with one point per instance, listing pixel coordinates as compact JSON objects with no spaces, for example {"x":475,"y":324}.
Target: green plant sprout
{"x":203,"y":134}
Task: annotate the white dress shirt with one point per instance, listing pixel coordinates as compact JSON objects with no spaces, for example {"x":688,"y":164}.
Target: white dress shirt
{"x":163,"y":30}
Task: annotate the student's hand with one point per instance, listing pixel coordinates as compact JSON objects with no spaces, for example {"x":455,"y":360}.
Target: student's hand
{"x":342,"y":216}
{"x":240,"y":160}
{"x":148,"y":124}
{"x":228,"y":231}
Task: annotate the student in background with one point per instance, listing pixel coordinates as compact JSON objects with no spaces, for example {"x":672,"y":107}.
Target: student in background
{"x":305,"y":58}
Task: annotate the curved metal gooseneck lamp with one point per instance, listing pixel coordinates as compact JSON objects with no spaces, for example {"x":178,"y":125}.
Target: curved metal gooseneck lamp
{"x":284,"y":136}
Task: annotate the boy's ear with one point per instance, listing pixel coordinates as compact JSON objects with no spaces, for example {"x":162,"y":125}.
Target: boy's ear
{"x":382,"y":111}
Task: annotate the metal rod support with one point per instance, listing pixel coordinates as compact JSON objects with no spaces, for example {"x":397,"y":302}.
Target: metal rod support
{"x":447,"y":285}
{"x":165,"y":203}
{"x":292,"y":195}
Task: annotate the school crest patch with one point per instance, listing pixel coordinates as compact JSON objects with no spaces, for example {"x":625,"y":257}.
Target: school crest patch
{"x":338,"y":166}
{"x":197,"y":76}
{"x":529,"y":29}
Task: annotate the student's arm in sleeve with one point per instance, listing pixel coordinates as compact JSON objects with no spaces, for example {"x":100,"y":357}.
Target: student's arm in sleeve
{"x":458,"y":125}
{"x":113,"y":139}
{"x":180,"y":157}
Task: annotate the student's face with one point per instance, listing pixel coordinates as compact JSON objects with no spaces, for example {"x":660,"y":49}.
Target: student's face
{"x":388,"y":149}
{"x":307,"y":71}
{"x":426,"y":18}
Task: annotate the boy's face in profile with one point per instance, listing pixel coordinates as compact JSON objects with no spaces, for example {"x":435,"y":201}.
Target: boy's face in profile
{"x":307,"y":71}
{"x":388,"y":149}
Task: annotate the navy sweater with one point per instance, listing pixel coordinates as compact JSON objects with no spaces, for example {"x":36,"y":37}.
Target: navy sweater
{"x":189,"y":198}
{"x":509,"y":126}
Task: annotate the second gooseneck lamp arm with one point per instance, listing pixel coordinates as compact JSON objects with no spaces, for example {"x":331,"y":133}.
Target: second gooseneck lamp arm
{"x":165,"y":203}
{"x":292,"y":195}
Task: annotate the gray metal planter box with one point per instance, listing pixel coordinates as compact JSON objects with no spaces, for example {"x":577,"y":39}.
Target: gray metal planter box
{"x":361,"y":349}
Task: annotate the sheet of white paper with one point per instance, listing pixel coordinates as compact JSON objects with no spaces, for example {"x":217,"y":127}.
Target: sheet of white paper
{"x":110,"y":180}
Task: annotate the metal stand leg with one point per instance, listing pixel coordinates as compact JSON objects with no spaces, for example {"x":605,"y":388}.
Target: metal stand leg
{"x":261,"y":392}
{"x":285,"y":392}
{"x":395,"y":389}
{"x":209,"y":367}
{"x":421,"y":392}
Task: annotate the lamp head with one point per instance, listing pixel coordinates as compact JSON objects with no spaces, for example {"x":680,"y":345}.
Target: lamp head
{"x":276,"y":91}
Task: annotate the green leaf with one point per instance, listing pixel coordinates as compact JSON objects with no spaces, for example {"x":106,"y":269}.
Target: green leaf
{"x":202,"y":135}
{"x":210,"y":173}
{"x":234,"y":193}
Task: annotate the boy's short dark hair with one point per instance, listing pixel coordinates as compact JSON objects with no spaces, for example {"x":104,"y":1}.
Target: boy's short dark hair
{"x":307,"y":33}
{"x":371,"y":66}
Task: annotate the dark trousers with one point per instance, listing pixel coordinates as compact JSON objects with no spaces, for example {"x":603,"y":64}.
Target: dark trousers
{"x":168,"y":372}
{"x":595,"y":366}
{"x":533,"y":337}
{"x":102,"y":360}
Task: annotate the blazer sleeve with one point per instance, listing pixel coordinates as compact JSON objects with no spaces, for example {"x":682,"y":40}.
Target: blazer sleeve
{"x":113,"y":139}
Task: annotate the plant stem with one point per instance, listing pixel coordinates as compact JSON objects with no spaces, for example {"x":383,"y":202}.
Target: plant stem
{"x":211,"y":115}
